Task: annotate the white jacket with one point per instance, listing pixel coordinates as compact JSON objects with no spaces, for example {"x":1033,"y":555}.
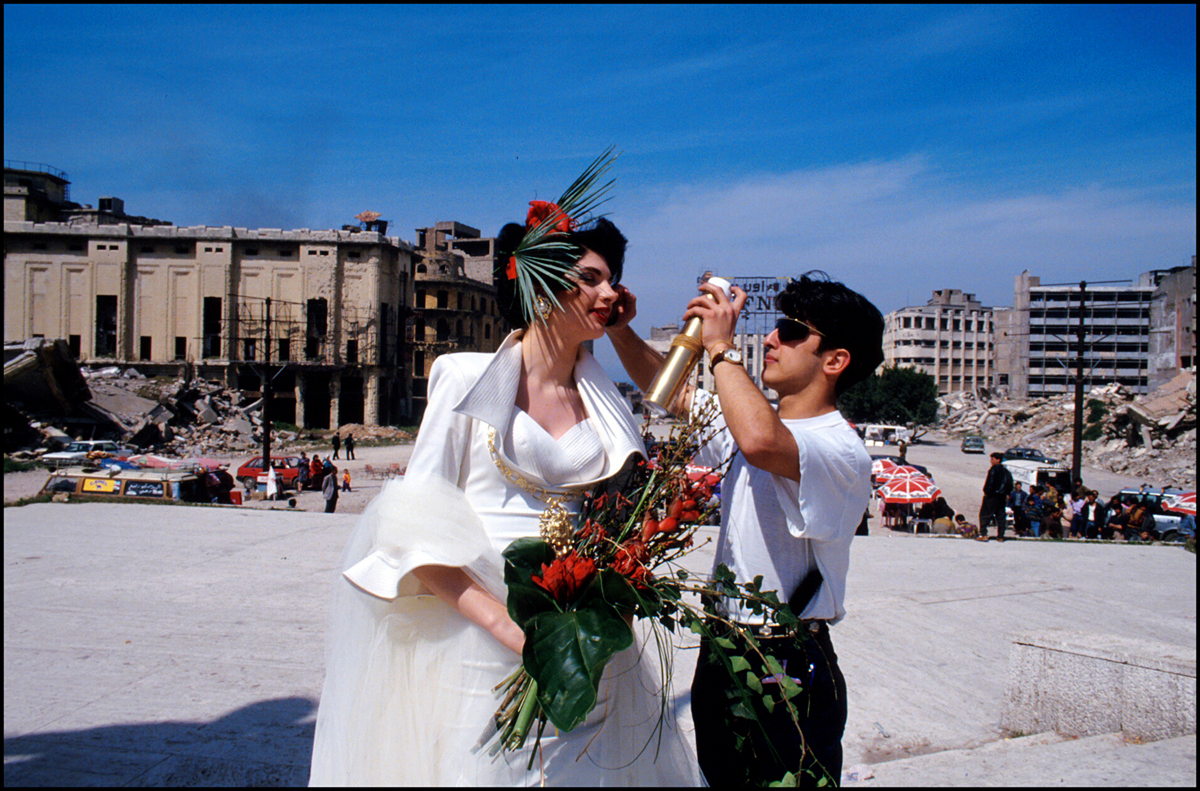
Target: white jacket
{"x":468,"y":394}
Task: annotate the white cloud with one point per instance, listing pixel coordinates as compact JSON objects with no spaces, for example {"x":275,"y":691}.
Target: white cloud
{"x":893,"y":230}
{"x":884,"y":226}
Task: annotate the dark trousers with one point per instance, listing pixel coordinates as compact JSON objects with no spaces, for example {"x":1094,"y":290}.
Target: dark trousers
{"x":331,"y":504}
{"x":732,"y":751}
{"x":992,"y":509}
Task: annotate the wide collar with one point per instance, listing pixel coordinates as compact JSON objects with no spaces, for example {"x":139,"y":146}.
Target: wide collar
{"x":491,"y":399}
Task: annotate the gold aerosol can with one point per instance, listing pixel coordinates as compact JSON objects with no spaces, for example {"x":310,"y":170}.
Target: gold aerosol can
{"x":686,"y":350}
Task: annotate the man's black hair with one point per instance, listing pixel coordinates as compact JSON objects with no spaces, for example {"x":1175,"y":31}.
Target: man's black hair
{"x":600,"y":236}
{"x":846,"y":319}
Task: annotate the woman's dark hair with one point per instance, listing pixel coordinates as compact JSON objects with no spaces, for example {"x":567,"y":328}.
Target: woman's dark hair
{"x":846,"y":319}
{"x":600,"y":236}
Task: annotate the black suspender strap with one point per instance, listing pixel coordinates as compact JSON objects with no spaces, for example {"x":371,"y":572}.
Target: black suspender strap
{"x":805,"y":591}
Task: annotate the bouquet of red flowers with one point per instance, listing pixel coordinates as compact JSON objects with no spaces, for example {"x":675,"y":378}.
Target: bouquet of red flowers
{"x":576,"y":605}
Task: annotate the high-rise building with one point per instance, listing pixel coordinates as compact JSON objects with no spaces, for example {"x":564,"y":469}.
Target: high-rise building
{"x":454,"y":306}
{"x":1118,"y":322}
{"x":951,"y":338}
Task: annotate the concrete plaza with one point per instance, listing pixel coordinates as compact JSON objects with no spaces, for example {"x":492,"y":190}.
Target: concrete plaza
{"x":171,"y":645}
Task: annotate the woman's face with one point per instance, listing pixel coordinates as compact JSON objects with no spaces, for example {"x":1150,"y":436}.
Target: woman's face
{"x":585,"y":311}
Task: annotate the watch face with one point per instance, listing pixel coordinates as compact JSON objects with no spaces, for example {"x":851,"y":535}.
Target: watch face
{"x":734,"y":356}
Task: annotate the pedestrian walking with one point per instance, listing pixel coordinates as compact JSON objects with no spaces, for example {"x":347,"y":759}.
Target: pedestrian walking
{"x":337,"y":444}
{"x":346,"y":480}
{"x":349,"y":446}
{"x":329,"y":489}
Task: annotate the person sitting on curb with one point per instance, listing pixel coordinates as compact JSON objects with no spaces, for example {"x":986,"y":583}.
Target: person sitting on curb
{"x":966,"y":529}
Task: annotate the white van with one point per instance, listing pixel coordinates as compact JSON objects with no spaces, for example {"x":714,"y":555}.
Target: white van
{"x":1035,"y":472}
{"x":876,"y":434}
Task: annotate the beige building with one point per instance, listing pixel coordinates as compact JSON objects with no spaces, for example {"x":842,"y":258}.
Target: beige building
{"x":155,"y":296}
{"x":951,"y":338}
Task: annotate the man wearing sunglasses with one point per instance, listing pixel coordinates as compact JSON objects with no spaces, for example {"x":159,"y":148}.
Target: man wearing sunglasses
{"x":792,"y":501}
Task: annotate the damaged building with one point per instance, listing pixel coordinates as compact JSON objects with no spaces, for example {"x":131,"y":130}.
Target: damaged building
{"x":128,"y":291}
{"x":454,"y":307}
{"x":1139,"y":335}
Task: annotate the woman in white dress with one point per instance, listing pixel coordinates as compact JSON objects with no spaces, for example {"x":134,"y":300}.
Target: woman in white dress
{"x":417,"y":643}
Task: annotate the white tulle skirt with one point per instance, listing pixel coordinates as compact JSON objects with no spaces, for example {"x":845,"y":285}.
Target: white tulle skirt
{"x":408,"y":694}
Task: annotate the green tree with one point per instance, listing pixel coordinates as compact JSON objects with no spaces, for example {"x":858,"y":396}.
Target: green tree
{"x":901,"y":396}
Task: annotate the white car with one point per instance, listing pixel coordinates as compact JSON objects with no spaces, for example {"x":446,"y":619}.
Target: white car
{"x":80,"y":451}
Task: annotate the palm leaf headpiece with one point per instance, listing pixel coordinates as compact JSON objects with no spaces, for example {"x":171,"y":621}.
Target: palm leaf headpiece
{"x":537,"y":263}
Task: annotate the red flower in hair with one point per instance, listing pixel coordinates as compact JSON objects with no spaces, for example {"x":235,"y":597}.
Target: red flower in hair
{"x":511,"y":271}
{"x":541,"y":211}
{"x":566,"y":576}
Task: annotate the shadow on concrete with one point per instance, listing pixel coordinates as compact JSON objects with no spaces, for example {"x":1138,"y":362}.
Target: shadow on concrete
{"x":268,"y":743}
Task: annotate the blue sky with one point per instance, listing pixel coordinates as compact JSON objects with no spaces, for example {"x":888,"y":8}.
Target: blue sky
{"x":901,"y":149}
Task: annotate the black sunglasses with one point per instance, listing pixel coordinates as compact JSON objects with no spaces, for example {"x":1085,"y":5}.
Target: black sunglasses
{"x":790,"y":330}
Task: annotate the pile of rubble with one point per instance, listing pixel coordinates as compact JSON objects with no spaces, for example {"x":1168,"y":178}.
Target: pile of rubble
{"x":188,"y":417}
{"x":376,"y":433}
{"x":1151,"y":437}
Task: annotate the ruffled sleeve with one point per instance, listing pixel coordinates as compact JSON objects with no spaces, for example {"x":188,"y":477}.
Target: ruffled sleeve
{"x":426,"y":520}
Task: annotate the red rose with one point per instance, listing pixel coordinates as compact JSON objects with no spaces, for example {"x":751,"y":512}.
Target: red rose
{"x":541,"y":211}
{"x":566,"y":576}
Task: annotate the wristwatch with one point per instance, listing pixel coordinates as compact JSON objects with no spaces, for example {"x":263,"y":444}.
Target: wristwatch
{"x":729,"y":355}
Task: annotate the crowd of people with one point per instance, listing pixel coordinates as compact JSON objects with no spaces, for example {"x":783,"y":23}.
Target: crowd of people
{"x":1044,"y":511}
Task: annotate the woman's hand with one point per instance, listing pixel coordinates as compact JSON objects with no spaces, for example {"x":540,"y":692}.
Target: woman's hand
{"x":719,"y":317}
{"x":456,"y":588}
{"x":623,"y":310}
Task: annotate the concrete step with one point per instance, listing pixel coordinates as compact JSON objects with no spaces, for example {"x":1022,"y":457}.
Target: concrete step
{"x":1044,"y":759}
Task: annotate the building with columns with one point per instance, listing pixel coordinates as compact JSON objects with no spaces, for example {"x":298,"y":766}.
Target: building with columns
{"x":124,"y":291}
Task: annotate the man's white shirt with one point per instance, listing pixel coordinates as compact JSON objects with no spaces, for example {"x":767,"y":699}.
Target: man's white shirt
{"x":780,"y":528}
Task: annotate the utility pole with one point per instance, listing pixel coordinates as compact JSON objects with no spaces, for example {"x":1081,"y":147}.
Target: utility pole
{"x":1077,"y":438}
{"x":266,"y":400}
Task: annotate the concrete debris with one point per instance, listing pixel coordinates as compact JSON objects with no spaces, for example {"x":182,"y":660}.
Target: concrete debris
{"x":1151,"y":438}
{"x":378,"y":433}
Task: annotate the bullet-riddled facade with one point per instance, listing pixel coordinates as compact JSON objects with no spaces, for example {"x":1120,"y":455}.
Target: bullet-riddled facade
{"x":159,"y":296}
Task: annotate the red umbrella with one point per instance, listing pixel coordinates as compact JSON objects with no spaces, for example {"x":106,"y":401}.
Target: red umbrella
{"x":882,"y":466}
{"x":899,"y":471}
{"x":906,"y":489}
{"x":1181,"y":503}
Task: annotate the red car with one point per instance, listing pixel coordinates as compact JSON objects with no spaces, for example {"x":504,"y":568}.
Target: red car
{"x":287,"y":470}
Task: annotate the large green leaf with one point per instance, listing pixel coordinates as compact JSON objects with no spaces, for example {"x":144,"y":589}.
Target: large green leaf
{"x":565,"y":652}
{"x":522,"y":559}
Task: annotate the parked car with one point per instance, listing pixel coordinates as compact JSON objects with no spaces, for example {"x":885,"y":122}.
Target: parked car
{"x":972,"y":445}
{"x":1167,"y":524}
{"x":79,"y":452}
{"x":287,"y":470}
{"x":1028,"y":454}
